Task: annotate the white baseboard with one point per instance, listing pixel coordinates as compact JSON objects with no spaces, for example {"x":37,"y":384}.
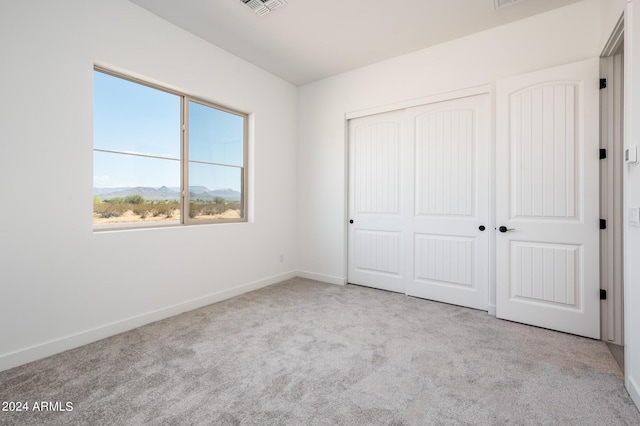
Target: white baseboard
{"x":43,"y":350}
{"x":634,"y":391}
{"x":491,"y":310}
{"x":321,"y":277}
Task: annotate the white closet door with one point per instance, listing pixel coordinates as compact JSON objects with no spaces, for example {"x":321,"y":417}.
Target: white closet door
{"x":377,"y":186}
{"x":418,"y":195}
{"x":449,"y":227}
{"x":547,"y":258}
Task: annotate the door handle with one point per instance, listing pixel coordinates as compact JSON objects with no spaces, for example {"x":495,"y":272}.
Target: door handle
{"x":482,"y":227}
{"x":505,"y":229}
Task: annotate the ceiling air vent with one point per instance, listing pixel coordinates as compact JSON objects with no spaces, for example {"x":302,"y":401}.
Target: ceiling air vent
{"x":262,"y":7}
{"x":502,"y":3}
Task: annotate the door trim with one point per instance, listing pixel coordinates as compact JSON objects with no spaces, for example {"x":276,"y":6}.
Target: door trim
{"x":611,"y":201}
{"x":432,"y":99}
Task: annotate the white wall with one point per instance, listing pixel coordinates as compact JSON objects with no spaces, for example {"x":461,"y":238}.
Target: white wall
{"x":561,"y":36}
{"x":632,"y":199}
{"x":61,"y":285}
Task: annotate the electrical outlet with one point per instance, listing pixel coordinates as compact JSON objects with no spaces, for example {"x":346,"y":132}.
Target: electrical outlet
{"x":281,"y":257}
{"x":631,"y":155}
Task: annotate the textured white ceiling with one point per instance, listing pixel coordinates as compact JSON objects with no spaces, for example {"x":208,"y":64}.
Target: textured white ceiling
{"x":308,"y":40}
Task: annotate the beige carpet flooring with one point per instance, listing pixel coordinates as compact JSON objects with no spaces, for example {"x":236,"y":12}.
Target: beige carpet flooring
{"x":308,"y":353}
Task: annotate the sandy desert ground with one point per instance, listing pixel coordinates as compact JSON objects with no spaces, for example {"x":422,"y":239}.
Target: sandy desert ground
{"x":130,"y":217}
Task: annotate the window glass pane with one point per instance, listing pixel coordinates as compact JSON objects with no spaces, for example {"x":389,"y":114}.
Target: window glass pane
{"x":140,"y":161}
{"x":129,"y":189}
{"x":215,"y":192}
{"x":215,"y":136}
{"x":132,"y":117}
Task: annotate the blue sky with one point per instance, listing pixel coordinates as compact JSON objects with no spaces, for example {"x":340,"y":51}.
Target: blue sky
{"x":134,"y":118}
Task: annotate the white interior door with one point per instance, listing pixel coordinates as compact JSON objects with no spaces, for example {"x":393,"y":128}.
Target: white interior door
{"x":450,"y":221}
{"x":547,"y":140}
{"x":418,"y":201}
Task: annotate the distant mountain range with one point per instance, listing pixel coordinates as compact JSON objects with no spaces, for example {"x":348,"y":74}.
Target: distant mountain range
{"x":167,"y":193}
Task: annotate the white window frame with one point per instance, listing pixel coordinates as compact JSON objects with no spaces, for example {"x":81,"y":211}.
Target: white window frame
{"x":185,"y":220}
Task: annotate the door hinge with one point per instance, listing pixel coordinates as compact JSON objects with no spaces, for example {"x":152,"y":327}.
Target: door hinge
{"x":603,"y":224}
{"x":603,"y":153}
{"x":603,"y":294}
{"x":603,"y":83}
